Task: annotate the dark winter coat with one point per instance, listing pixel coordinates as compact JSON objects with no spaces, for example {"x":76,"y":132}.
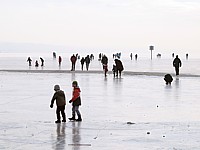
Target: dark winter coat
{"x":168,"y":78}
{"x":104,"y":60}
{"x":82,"y":61}
{"x":59,"y":96}
{"x":177,"y":62}
{"x":119,"y":65}
{"x":87,"y":60}
{"x":73,"y":59}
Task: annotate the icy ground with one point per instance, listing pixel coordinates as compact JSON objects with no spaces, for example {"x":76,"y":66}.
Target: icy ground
{"x":134,"y":112}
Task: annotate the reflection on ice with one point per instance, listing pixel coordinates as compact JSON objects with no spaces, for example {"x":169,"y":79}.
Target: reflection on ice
{"x":169,"y":112}
{"x":60,"y":143}
{"x":76,"y":135}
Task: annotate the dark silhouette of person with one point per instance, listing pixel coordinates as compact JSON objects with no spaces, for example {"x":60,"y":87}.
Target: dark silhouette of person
{"x":187,"y":56}
{"x":136,"y":56}
{"x":100,"y":56}
{"x":42,"y":61}
{"x":131,"y":55}
{"x":59,"y":60}
{"x":82,"y":62}
{"x":54,"y":54}
{"x":114,"y":69}
{"x":119,"y":66}
{"x":104,"y":62}
{"x":36,"y":63}
{"x":158,"y":55}
{"x":177,"y":63}
{"x":87,"y":62}
{"x":168,"y":79}
{"x":91,"y":57}
{"x":172,"y":55}
{"x":73,"y":60}
{"x":29,"y":61}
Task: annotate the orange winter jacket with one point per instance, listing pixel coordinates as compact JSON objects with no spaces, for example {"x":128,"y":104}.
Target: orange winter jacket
{"x":76,"y":97}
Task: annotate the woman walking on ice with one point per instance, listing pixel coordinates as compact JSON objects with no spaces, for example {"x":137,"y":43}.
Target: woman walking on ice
{"x":76,"y":102}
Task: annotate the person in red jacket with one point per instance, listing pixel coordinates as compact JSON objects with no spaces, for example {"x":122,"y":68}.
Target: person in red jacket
{"x":76,"y":102}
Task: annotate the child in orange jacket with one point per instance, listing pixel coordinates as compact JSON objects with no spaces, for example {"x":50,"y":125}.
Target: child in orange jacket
{"x":76,"y":102}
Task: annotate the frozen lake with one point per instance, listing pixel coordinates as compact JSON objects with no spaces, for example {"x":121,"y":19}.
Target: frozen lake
{"x":134,"y":112}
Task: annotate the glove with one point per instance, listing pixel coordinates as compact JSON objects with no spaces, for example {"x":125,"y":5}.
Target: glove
{"x":51,"y":106}
{"x":70,"y":101}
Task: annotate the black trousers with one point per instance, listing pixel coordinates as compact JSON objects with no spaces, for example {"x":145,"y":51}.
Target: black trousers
{"x":73,"y":66}
{"x":62,"y":110}
{"x":177,"y":70}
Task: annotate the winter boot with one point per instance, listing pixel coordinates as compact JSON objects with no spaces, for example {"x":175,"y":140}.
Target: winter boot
{"x":79,"y":118}
{"x":64,"y":118}
{"x":58,"y":121}
{"x":73,"y":118}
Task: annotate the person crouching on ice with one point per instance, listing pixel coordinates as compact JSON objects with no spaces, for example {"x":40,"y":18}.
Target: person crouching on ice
{"x":76,"y":102}
{"x":59,"y":96}
{"x":168,"y":79}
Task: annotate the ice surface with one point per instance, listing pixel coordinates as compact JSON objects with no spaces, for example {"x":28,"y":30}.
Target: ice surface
{"x":162,"y":117}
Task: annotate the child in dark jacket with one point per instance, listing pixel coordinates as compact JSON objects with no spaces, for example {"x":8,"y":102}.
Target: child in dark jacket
{"x":114,"y":69}
{"x":76,"y":102}
{"x":59,"y":96}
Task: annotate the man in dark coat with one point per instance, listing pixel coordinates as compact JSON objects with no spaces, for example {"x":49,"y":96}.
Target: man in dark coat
{"x":177,"y":63}
{"x":119,"y":66}
{"x":73,"y":60}
{"x":104,"y":62}
{"x":29,"y":61}
{"x":82,"y":62}
{"x":87,"y":62}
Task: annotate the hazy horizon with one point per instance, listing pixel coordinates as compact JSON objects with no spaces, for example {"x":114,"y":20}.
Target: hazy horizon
{"x":100,"y":25}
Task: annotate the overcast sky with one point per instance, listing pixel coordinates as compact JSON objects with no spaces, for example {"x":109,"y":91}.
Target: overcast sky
{"x":103,"y":24}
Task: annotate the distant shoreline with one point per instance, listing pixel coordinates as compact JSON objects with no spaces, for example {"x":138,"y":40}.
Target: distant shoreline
{"x":95,"y":72}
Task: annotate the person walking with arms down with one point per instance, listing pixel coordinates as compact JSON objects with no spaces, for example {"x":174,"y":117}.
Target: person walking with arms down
{"x":73,"y":60}
{"x":177,"y":63}
{"x":29,"y":60}
{"x":104,"y":62}
{"x":36,"y":64}
{"x":82,"y":62}
{"x":87,"y":62}
{"x":76,"y":102}
{"x":59,"y":60}
{"x":59,"y":96}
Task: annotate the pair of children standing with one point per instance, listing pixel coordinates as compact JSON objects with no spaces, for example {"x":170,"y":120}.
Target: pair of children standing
{"x":59,"y":96}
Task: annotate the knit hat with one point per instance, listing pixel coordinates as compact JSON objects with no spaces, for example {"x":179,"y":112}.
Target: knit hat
{"x":75,"y":83}
{"x":56,"y":87}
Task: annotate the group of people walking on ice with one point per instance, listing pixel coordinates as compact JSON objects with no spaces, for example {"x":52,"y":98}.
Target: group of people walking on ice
{"x":117,"y":67}
{"x":29,"y":60}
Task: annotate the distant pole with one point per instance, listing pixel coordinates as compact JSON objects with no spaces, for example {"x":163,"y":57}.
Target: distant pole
{"x":151,"y":48}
